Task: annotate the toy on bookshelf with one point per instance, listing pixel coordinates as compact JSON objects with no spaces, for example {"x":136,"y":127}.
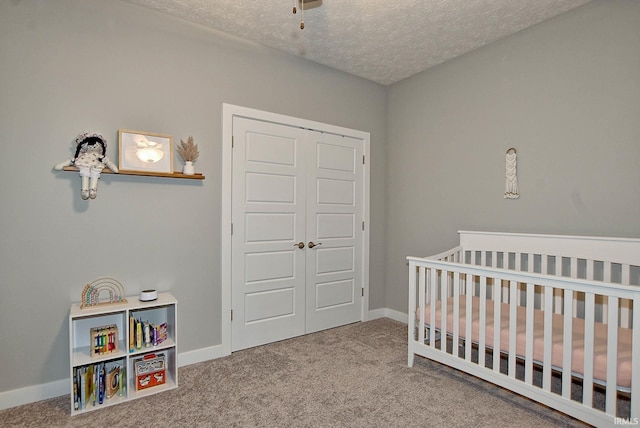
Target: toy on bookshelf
{"x":105,"y":285}
{"x":150,"y":371}
{"x":103,"y":340}
{"x":113,"y":382}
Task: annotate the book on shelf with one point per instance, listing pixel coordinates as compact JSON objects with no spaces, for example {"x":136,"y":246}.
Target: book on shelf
{"x":143,"y":334}
{"x":94,"y":384}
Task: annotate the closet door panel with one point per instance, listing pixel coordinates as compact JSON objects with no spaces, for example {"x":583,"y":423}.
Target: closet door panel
{"x":334,"y":216}
{"x":268,"y":212}
{"x":335,"y":225}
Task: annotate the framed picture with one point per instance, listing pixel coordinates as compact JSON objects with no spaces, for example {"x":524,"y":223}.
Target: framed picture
{"x":145,"y":151}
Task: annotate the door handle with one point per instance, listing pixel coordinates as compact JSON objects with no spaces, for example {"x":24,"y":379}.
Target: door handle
{"x":299,"y":245}
{"x":311,"y":244}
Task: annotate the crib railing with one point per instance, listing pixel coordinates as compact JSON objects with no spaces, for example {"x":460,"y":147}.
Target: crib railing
{"x":561,"y":266}
{"x":574,"y":267}
{"x":462,"y":275}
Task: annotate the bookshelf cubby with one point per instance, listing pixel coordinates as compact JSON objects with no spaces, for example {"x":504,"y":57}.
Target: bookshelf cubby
{"x":119,"y":360}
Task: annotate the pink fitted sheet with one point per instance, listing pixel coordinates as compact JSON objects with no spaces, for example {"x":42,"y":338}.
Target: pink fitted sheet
{"x":577,"y":357}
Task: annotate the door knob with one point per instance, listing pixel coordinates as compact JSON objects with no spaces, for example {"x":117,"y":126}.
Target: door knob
{"x":299,"y":245}
{"x":311,"y":244}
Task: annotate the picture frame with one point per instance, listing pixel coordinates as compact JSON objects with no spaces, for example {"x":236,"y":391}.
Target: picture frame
{"x":145,"y":151}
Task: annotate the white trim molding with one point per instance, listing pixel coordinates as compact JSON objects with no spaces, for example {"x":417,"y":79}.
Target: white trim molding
{"x":388,"y":313}
{"x":200,"y":355}
{"x":31,"y":394}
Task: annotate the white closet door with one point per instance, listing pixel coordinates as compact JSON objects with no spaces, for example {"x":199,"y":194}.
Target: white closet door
{"x":294,"y":186}
{"x":334,"y":225}
{"x":268,"y":212}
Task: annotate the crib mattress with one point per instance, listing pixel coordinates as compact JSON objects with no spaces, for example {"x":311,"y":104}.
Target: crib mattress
{"x":577,"y":357}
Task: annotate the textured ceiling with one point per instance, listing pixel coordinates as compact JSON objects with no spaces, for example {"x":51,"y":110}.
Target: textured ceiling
{"x":380,"y":40}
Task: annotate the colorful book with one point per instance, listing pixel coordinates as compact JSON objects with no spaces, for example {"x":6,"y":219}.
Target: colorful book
{"x":101,"y":379}
{"x":75,"y":389}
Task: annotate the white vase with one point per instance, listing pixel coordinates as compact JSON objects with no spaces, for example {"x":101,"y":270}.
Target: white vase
{"x":188,"y":168}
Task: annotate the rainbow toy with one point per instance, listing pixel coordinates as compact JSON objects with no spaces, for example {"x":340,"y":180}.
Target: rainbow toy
{"x":112,"y":292}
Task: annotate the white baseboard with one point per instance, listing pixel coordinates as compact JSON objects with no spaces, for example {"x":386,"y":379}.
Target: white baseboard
{"x":388,"y":313}
{"x":31,"y":394}
{"x":200,"y":355}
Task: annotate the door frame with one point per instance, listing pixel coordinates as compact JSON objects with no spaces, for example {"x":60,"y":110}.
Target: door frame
{"x":229,"y":111}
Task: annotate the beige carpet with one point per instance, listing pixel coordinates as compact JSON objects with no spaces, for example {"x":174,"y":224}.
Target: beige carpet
{"x":351,"y":376}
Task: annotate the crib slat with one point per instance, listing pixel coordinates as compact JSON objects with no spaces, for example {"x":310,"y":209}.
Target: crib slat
{"x":606,"y":272}
{"x":528,"y":362}
{"x":612,"y":356}
{"x":626,"y":274}
{"x":411,"y":320}
{"x":422,"y":301}
{"x":590,"y":269}
{"x":558,"y":260}
{"x":625,"y":312}
{"x":557,"y":301}
{"x":482,"y":321}
{"x":468,"y":317}
{"x":544,"y":269}
{"x":513,"y":308}
{"x":567,"y":343}
{"x":590,"y":275}
{"x":433,"y":279}
{"x":548,"y":335}
{"x":589,"y":327}
{"x":505,"y":293}
{"x":444,"y":289}
{"x":497,"y":319}
{"x":456,"y":313}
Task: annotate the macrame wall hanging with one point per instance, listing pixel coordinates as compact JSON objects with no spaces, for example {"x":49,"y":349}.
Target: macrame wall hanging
{"x":511,"y":179}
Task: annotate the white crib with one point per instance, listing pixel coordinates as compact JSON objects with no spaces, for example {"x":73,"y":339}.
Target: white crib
{"x":559,"y":308}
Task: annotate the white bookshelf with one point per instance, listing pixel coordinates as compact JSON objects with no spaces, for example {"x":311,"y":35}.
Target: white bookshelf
{"x":81,"y":321}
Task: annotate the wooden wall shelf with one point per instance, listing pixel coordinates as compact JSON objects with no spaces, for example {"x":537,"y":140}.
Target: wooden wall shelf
{"x":196,"y":176}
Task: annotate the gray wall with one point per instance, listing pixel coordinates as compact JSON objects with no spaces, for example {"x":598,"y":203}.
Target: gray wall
{"x":67,"y":66}
{"x":564,"y":93}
